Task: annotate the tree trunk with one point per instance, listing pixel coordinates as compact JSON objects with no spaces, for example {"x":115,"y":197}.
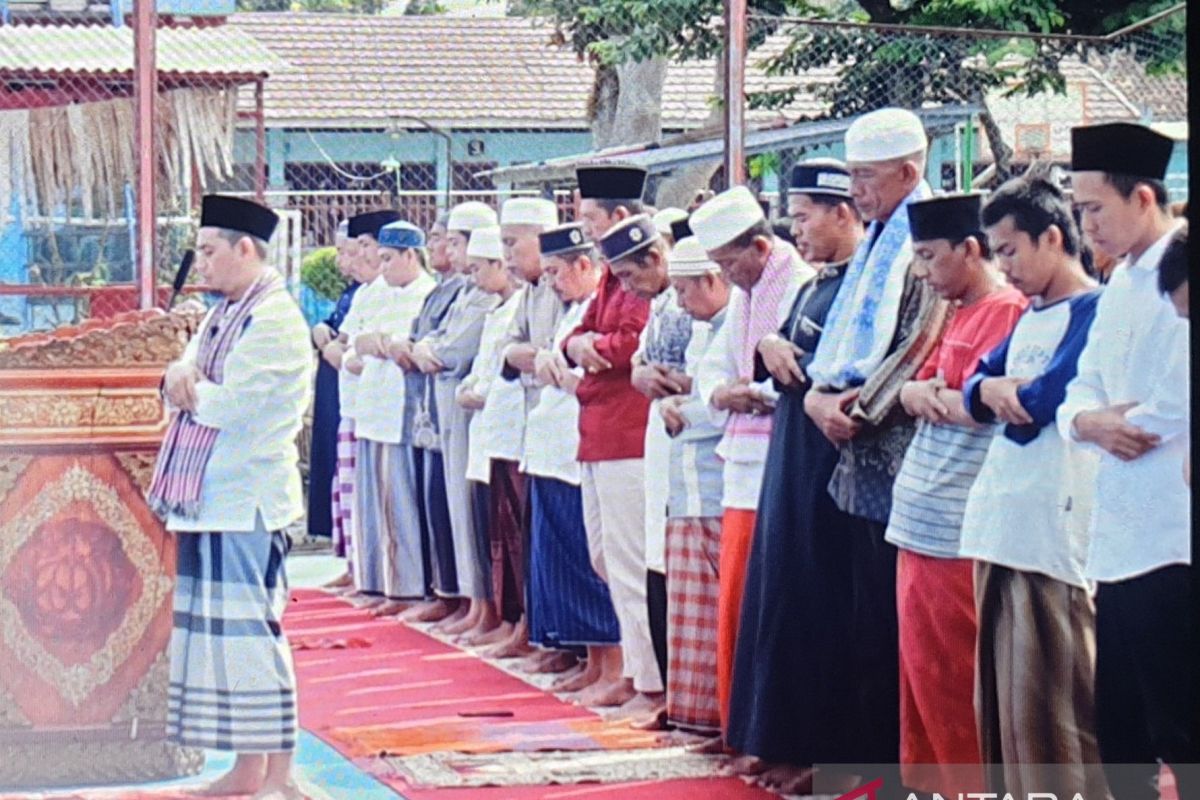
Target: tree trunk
{"x":627,"y":103}
{"x":1001,"y":153}
{"x":680,"y":186}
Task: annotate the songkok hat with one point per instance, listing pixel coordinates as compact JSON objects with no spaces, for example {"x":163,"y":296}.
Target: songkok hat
{"x":529,"y":211}
{"x":681,"y":228}
{"x":485,"y":243}
{"x":726,"y":217}
{"x":951,"y":216}
{"x":401,"y":235}
{"x":466,"y":217}
{"x":664,"y":219}
{"x":1122,"y":148}
{"x":563,"y":239}
{"x":342,"y":232}
{"x":236,"y":214}
{"x":371,"y":222}
{"x":628,"y":236}
{"x":822,"y":176}
{"x":884,"y":135}
{"x":688,"y":260}
{"x":611,"y":182}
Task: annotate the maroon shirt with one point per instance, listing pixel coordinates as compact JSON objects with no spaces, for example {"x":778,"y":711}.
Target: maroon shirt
{"x":612,"y":414}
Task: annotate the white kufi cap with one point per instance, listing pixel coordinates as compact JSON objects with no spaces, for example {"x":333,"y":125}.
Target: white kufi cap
{"x":466,"y":217}
{"x":725,"y":217}
{"x":485,"y":243}
{"x":688,"y":259}
{"x":664,"y":218}
{"x":884,"y":135}
{"x":529,"y":211}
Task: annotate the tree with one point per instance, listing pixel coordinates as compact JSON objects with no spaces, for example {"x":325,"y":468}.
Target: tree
{"x":873,"y":68}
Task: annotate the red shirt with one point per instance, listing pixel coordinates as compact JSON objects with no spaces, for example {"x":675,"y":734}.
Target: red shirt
{"x":973,"y":332}
{"x":612,"y":414}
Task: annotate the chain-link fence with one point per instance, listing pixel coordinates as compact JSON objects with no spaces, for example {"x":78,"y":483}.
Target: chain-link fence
{"x":323,"y":115}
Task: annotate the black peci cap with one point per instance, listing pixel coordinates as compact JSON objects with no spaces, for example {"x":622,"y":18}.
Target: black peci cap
{"x":371,"y":223}
{"x":952,"y":216}
{"x":1121,"y":148}
{"x":563,"y":239}
{"x":236,"y":214}
{"x":611,"y":182}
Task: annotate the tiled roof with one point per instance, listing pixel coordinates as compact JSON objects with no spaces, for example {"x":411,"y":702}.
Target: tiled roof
{"x":453,"y":71}
{"x":353,"y":70}
{"x":103,"y":49}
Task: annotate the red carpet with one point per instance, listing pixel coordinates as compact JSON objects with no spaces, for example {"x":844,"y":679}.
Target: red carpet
{"x":368,"y":686}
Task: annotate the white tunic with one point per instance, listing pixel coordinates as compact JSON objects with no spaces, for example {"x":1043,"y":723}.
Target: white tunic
{"x":258,"y":409}
{"x":656,"y":461}
{"x":483,"y":380}
{"x":1137,"y":352}
{"x":552,"y":429}
{"x":369,"y":302}
{"x":379,"y":397}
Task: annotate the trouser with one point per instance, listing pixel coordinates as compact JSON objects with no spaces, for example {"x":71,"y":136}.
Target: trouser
{"x":614,"y":514}
{"x":656,"y":607}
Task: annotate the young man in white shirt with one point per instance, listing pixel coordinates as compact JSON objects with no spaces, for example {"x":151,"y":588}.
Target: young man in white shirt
{"x":228,"y":483}
{"x":1130,"y":401}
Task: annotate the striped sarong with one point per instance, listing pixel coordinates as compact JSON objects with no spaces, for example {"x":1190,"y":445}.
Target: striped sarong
{"x":388,"y":559}
{"x":342,"y":498}
{"x":693,"y":587}
{"x":232,"y":686}
{"x":568,"y":603}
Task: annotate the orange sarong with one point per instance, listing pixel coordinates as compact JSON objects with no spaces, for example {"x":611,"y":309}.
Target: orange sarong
{"x":737,"y":533}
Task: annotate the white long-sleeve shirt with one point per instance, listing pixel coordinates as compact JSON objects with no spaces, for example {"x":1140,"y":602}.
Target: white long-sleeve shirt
{"x":1137,"y":352}
{"x":379,"y":400}
{"x":501,"y":430}
{"x":257,"y":410}
{"x":369,"y":302}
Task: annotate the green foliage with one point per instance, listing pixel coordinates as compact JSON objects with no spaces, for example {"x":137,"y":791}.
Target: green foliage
{"x":423,"y":8}
{"x":319,"y":272}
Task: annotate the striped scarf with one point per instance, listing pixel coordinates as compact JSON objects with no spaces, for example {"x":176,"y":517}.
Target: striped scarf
{"x":179,"y":471}
{"x":757,"y":317}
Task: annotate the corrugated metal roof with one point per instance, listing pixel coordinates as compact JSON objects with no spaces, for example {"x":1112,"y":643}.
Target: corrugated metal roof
{"x":102,"y":49}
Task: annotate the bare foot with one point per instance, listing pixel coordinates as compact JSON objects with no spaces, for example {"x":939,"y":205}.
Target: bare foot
{"x":655,"y":721}
{"x":246,"y":777}
{"x":575,"y":680}
{"x":368,"y":602}
{"x":339,"y":582}
{"x":643,"y":705}
{"x":389,"y":609}
{"x":498,"y":635}
{"x":712,"y":747}
{"x":472,"y":637}
{"x":836,"y":783}
{"x":456,"y":622}
{"x":561,"y":661}
{"x":509,"y":649}
{"x":748,"y":765}
{"x":433,"y":611}
{"x":789,"y":779}
{"x":606,"y":695}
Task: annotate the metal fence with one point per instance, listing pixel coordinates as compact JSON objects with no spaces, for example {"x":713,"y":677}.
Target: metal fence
{"x":324,"y":115}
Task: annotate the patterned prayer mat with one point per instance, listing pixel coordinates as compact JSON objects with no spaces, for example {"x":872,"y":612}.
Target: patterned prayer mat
{"x":481,"y":736}
{"x":446,"y":770}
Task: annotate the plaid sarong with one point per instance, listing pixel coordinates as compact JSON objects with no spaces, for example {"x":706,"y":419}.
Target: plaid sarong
{"x":187,"y":446}
{"x":342,"y":490}
{"x":693,"y":586}
{"x":232,"y":684}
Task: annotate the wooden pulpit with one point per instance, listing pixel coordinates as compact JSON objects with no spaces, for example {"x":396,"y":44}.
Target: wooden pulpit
{"x":86,"y":570}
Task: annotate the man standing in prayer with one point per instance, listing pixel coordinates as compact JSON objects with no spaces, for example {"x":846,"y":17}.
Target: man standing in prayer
{"x":693,"y":532}
{"x":427,"y":508}
{"x":612,"y":427}
{"x":228,"y":483}
{"x":935,"y":594}
{"x":767,"y":274}
{"x":364,"y":231}
{"x":323,"y":455}
{"x":446,"y":354}
{"x":657,"y":372}
{"x":389,"y":562}
{"x":1130,"y":402}
{"x":880,"y":328}
{"x":794,"y":502}
{"x":569,"y":605}
{"x":532,"y":328}
{"x":1026,"y":517}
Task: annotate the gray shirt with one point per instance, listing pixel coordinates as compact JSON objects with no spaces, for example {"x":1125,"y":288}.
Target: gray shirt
{"x":535,"y":322}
